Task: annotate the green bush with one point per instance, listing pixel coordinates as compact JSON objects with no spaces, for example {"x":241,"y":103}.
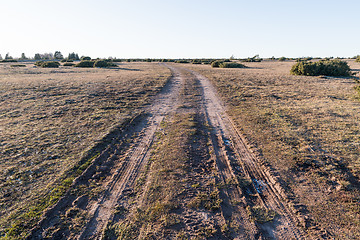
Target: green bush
{"x":38,"y":63}
{"x":281,"y":59}
{"x":101,"y":64}
{"x":255,"y":58}
{"x":357,"y":59}
{"x":85,"y":58}
{"x":231,"y":65}
{"x":181,"y":61}
{"x":18,"y":65}
{"x":49,"y":64}
{"x":8,"y":60}
{"x":66,"y":60}
{"x":325,"y":67}
{"x":216,"y":64}
{"x":68,"y":64}
{"x":111,"y":64}
{"x":85,"y":64}
{"x":196,"y":61}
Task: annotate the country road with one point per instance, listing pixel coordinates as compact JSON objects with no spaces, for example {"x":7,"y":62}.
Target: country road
{"x":248,"y":189}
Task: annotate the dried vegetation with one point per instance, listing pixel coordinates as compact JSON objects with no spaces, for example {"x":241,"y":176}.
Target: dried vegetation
{"x":306,"y":129}
{"x":50,"y":122}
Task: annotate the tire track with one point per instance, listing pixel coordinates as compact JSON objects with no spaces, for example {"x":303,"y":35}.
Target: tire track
{"x":268,"y":191}
{"x":124,"y":180}
{"x":125,"y":169}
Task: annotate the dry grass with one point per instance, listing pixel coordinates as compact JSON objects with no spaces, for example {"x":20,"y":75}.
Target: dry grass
{"x":153,"y":214}
{"x":307,"y":129}
{"x":177,"y":187}
{"x":50,"y":117}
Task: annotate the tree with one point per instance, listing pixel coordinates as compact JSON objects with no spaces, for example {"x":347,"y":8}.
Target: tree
{"x":58,"y":55}
{"x":1,"y":57}
{"x":73,"y":56}
{"x":7,"y":56}
{"x":37,"y":56}
{"x":47,"y":56}
{"x":23,"y":56}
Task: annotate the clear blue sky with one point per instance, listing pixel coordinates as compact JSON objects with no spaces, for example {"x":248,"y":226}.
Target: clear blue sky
{"x":182,"y":28}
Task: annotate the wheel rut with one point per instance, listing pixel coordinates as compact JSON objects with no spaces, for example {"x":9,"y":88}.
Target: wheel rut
{"x":232,"y":150}
{"x":136,"y":158}
{"x":122,"y":175}
{"x":242,"y":180}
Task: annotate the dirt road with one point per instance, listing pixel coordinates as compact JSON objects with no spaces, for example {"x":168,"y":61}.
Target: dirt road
{"x":250,"y":196}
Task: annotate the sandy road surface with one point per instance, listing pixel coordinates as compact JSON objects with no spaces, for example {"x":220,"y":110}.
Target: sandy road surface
{"x":232,"y":159}
{"x":232,"y":147}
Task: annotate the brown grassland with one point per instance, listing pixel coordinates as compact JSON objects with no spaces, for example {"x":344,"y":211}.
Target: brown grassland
{"x":51,"y":122}
{"x":55,"y":122}
{"x":307,"y":130}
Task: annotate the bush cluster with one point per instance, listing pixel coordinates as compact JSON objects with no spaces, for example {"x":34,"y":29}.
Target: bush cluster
{"x":85,"y":64}
{"x":231,"y":65}
{"x":68,"y":64}
{"x":18,"y":65}
{"x":66,"y":60}
{"x":8,"y":60}
{"x":117,"y":60}
{"x":196,"y":61}
{"x":182,"y":61}
{"x":357,"y":59}
{"x":216,"y":64}
{"x":85,"y":58}
{"x":47,"y":64}
{"x":100,"y":63}
{"x":255,"y":58}
{"x":325,"y":67}
{"x":225,"y":64}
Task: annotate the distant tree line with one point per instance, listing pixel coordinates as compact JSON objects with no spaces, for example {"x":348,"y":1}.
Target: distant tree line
{"x":44,"y":56}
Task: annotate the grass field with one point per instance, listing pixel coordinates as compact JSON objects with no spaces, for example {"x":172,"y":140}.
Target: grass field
{"x":49,"y":118}
{"x":307,"y":130}
{"x":55,"y":122}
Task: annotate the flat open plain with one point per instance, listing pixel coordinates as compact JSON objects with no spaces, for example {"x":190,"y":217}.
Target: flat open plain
{"x":178,"y":151}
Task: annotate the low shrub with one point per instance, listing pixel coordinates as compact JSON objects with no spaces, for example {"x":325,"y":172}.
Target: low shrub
{"x":101,"y":64}
{"x":181,"y":61}
{"x":231,"y":65}
{"x":111,"y":64}
{"x":256,"y":58}
{"x":38,"y":63}
{"x":325,"y":67}
{"x":85,"y":59}
{"x":66,"y":60}
{"x":281,"y":59}
{"x":104,"y":63}
{"x":196,"y":61}
{"x":216,"y":64}
{"x":68,"y":64}
{"x":8,"y":60}
{"x":85,"y":64}
{"x":357,"y":59}
{"x":18,"y":65}
{"x":49,"y":64}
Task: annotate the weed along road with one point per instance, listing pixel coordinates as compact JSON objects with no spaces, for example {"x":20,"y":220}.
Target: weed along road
{"x":178,"y":170}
